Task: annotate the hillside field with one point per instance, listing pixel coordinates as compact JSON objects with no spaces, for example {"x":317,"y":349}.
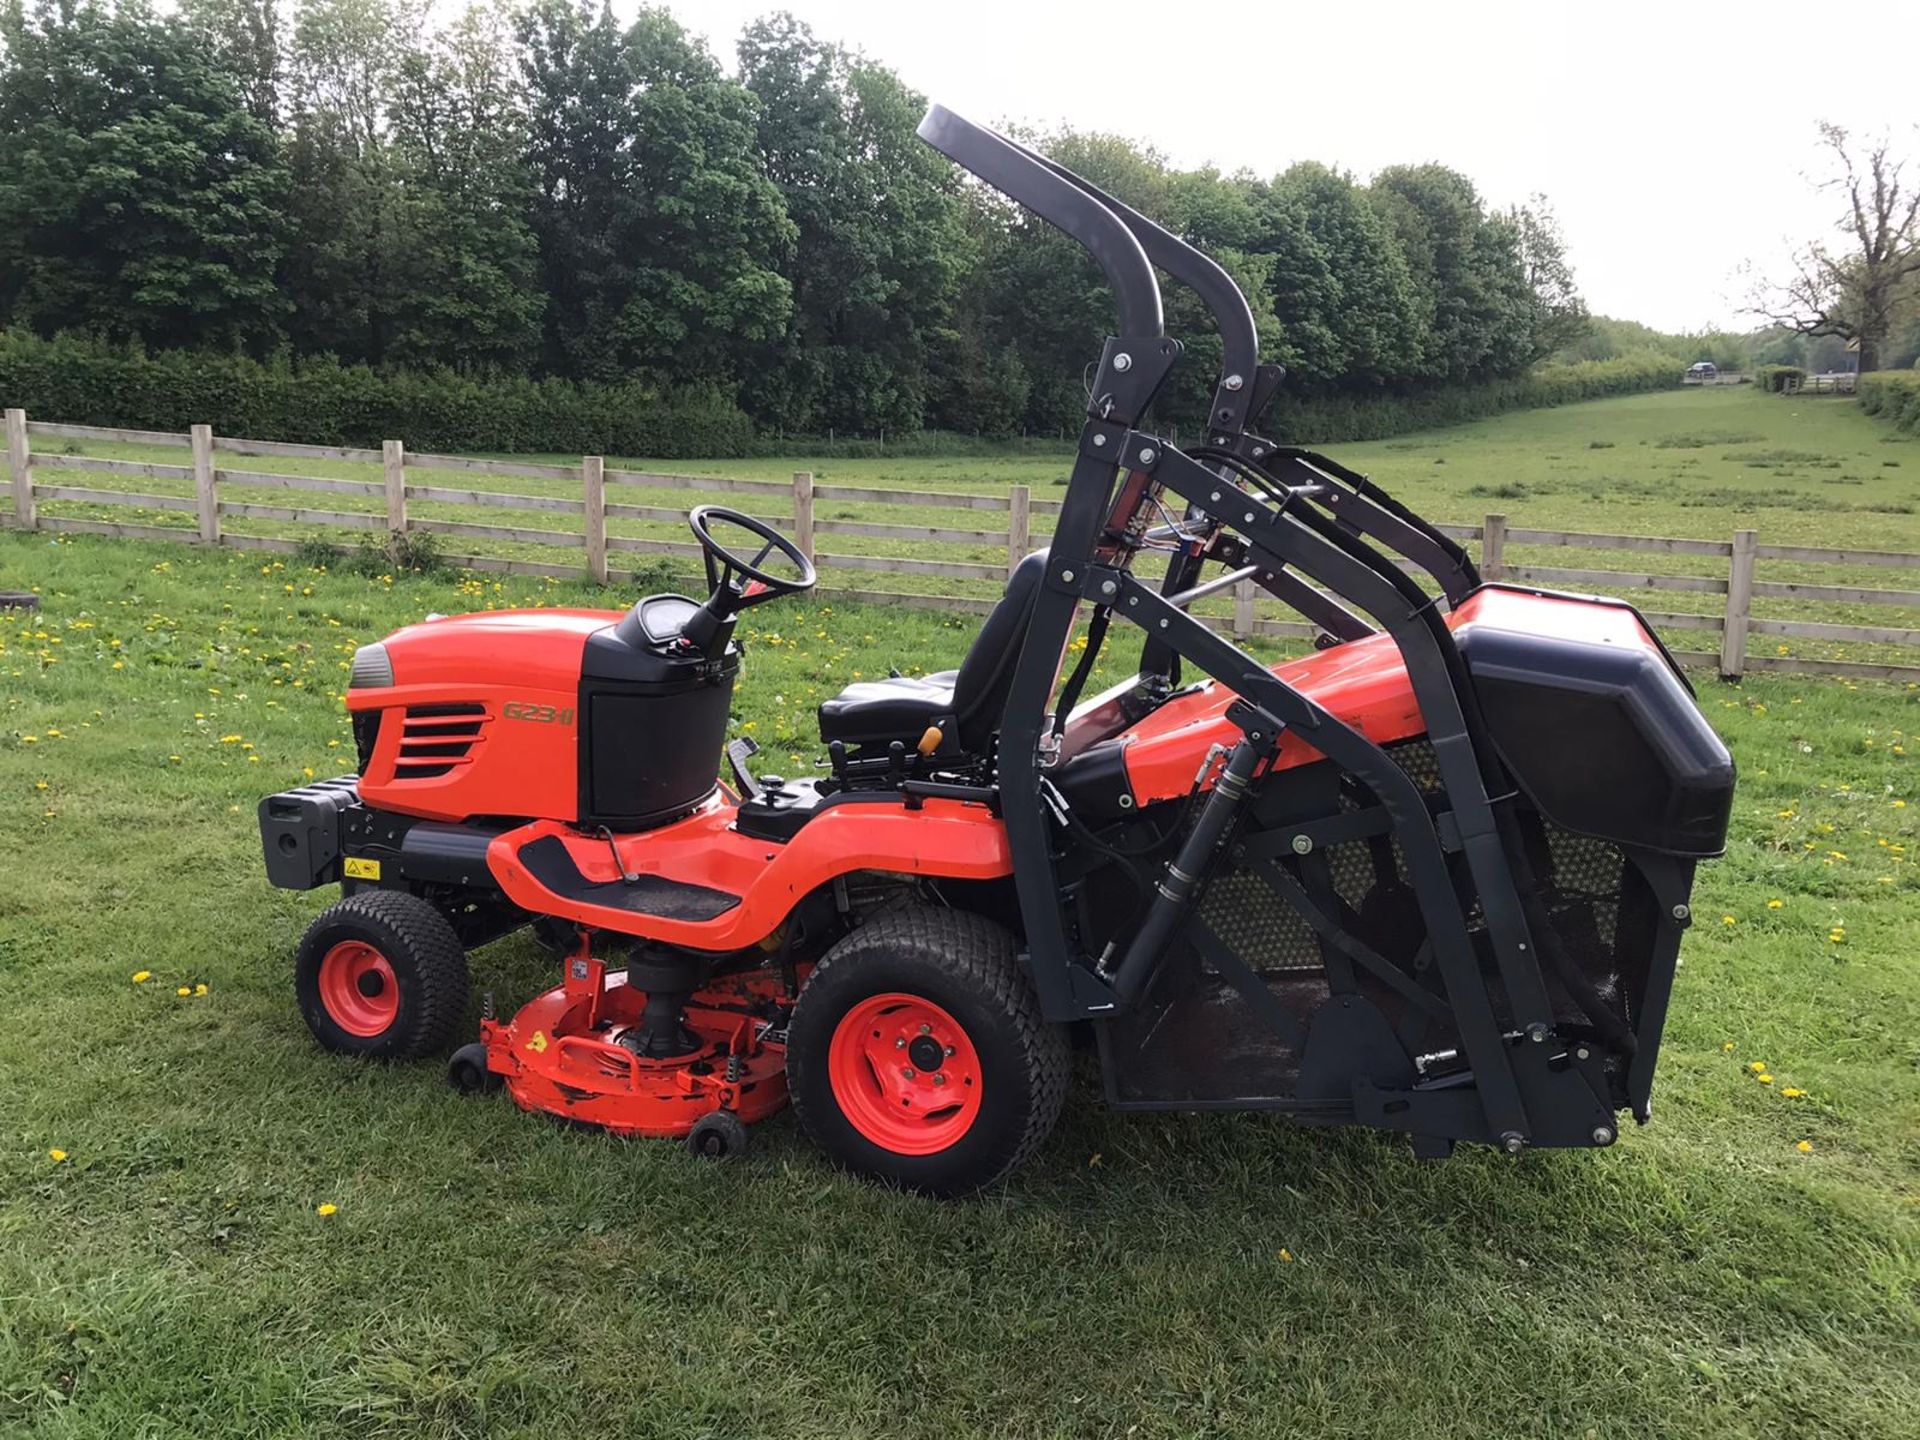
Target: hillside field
{"x":1748,"y":1265}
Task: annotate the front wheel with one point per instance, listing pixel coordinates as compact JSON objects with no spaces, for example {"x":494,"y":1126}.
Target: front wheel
{"x":381,"y":975}
{"x":917,"y":1054}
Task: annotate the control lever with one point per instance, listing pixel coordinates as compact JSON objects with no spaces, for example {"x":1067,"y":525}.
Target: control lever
{"x":738,"y":753}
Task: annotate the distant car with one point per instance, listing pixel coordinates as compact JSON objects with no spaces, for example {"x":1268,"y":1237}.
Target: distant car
{"x":1702,"y":370}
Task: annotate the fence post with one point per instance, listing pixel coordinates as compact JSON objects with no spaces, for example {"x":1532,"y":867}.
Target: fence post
{"x":593,"y":476}
{"x":203,"y":486}
{"x":20,"y":462}
{"x":1019,"y":526}
{"x":1493,"y":547}
{"x":1733,"y":635}
{"x":393,"y":459}
{"x":803,"y":511}
{"x":1244,"y":592}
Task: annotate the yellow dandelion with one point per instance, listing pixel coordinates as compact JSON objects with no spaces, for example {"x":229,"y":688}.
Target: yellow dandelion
{"x":1728,"y":920}
{"x":57,"y":1155}
{"x":1764,"y":1079}
{"x":1286,"y":1255}
{"x":200,"y":989}
{"x":140,"y":977}
{"x":1727,"y":1048}
{"x":39,"y":784}
{"x":329,"y":1208}
{"x":1805,"y":1147}
{"x":1758,"y":1067}
{"x":184,"y":990}
{"x":1775,"y":904}
{"x":1791,"y":1093}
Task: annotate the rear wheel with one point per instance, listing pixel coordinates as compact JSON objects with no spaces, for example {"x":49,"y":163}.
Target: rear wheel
{"x":917,"y":1054}
{"x":381,"y":975}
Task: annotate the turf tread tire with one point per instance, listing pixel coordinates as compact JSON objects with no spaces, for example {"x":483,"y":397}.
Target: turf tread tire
{"x":428,"y":962}
{"x":967,"y":960}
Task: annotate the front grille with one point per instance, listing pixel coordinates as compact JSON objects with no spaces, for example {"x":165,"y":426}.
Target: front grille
{"x":434,"y":739}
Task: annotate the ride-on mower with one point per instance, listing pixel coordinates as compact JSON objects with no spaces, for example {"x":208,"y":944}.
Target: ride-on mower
{"x":1431,"y":878}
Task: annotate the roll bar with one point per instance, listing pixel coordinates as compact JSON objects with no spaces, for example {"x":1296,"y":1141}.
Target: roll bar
{"x":1035,"y":186}
{"x":1060,"y":202}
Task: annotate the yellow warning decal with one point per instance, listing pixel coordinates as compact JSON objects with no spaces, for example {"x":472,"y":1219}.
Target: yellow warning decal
{"x":360,"y":868}
{"x":538,"y":1044}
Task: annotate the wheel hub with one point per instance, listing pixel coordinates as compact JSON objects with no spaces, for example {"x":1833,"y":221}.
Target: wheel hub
{"x":905,"y":1074}
{"x":358,"y":989}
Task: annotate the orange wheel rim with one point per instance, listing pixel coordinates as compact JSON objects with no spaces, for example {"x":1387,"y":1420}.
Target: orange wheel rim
{"x":905,"y":1074}
{"x":358,"y":989}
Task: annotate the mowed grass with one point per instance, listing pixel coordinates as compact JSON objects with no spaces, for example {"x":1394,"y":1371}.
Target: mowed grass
{"x":1745,"y":1266}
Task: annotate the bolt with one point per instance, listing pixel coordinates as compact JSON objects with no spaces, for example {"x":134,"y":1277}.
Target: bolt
{"x":949,"y":1052}
{"x":1603,"y":1134}
{"x":900,"y":1044}
{"x":1249,"y":517}
{"x":1214,"y":496}
{"x":1099,"y":442}
{"x":1108,"y":588}
{"x":1148,"y":455}
{"x":1258,"y":451}
{"x":1234,"y":382}
{"x":1583,"y":1053}
{"x":1513,"y":1143}
{"x":908,"y":1072}
{"x":1123,"y":362}
{"x":1303,"y":844}
{"x":1681,"y":912}
{"x":939,"y":1079}
{"x":1537,"y":1033}
{"x":1067,"y":575}
{"x":1163,"y":624}
{"x":926,"y":1029}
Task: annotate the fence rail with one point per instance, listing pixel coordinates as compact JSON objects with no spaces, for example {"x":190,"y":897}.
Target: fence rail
{"x":797,"y":504}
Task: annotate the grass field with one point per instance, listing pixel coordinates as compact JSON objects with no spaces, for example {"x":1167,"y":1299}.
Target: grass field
{"x":165,"y":1270}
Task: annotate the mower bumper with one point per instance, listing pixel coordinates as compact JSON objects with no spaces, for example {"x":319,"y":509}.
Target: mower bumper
{"x":301,"y":832}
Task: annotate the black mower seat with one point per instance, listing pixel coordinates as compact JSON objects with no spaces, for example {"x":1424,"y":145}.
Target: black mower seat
{"x":966,"y":703}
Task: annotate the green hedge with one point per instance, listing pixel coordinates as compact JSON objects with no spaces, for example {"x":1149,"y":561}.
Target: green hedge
{"x":1893,"y":395}
{"x":1773,"y":378}
{"x":82,"y":382}
{"x":1319,"y":422}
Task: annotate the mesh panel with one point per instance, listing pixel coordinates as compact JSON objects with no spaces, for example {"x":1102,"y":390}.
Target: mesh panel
{"x":1196,"y":1037}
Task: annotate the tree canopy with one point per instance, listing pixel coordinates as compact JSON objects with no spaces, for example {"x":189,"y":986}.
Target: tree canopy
{"x":530,"y":188}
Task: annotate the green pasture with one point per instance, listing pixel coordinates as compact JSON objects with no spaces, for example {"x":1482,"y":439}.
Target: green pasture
{"x":1748,"y":1265}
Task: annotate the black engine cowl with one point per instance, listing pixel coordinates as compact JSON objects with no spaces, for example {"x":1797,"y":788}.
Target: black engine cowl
{"x":653,"y":717}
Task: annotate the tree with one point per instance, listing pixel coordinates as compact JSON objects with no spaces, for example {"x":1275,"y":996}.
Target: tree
{"x":659,"y":233}
{"x":1860,"y":288}
{"x":1556,"y":314}
{"x":346,"y":272}
{"x":141,"y":197}
{"x":880,"y":244}
{"x":471,"y":297}
{"x":1468,"y":269}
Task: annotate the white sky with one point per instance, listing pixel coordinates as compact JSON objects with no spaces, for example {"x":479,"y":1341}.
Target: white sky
{"x":1674,"y":140}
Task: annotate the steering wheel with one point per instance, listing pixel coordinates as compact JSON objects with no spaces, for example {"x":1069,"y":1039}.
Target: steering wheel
{"x":748,"y":581}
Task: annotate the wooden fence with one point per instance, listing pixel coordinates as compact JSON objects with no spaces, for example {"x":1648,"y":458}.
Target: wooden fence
{"x":1730,"y":589}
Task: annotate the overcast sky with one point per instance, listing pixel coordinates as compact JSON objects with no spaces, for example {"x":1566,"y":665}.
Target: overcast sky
{"x":1674,"y":140}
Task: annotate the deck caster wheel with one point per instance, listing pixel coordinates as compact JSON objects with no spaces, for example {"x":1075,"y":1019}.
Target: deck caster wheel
{"x":382,"y":976}
{"x":467,"y":1071}
{"x":718,"y":1136}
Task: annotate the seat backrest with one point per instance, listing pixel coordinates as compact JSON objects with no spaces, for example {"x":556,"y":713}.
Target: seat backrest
{"x":986,"y":675}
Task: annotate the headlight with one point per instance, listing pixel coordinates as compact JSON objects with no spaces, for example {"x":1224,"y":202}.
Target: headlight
{"x":372,"y":669}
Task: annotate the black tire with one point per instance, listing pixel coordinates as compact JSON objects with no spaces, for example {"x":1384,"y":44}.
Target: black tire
{"x":428,"y":966}
{"x":467,"y":1071}
{"x":718,"y":1135}
{"x":965,"y":965}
